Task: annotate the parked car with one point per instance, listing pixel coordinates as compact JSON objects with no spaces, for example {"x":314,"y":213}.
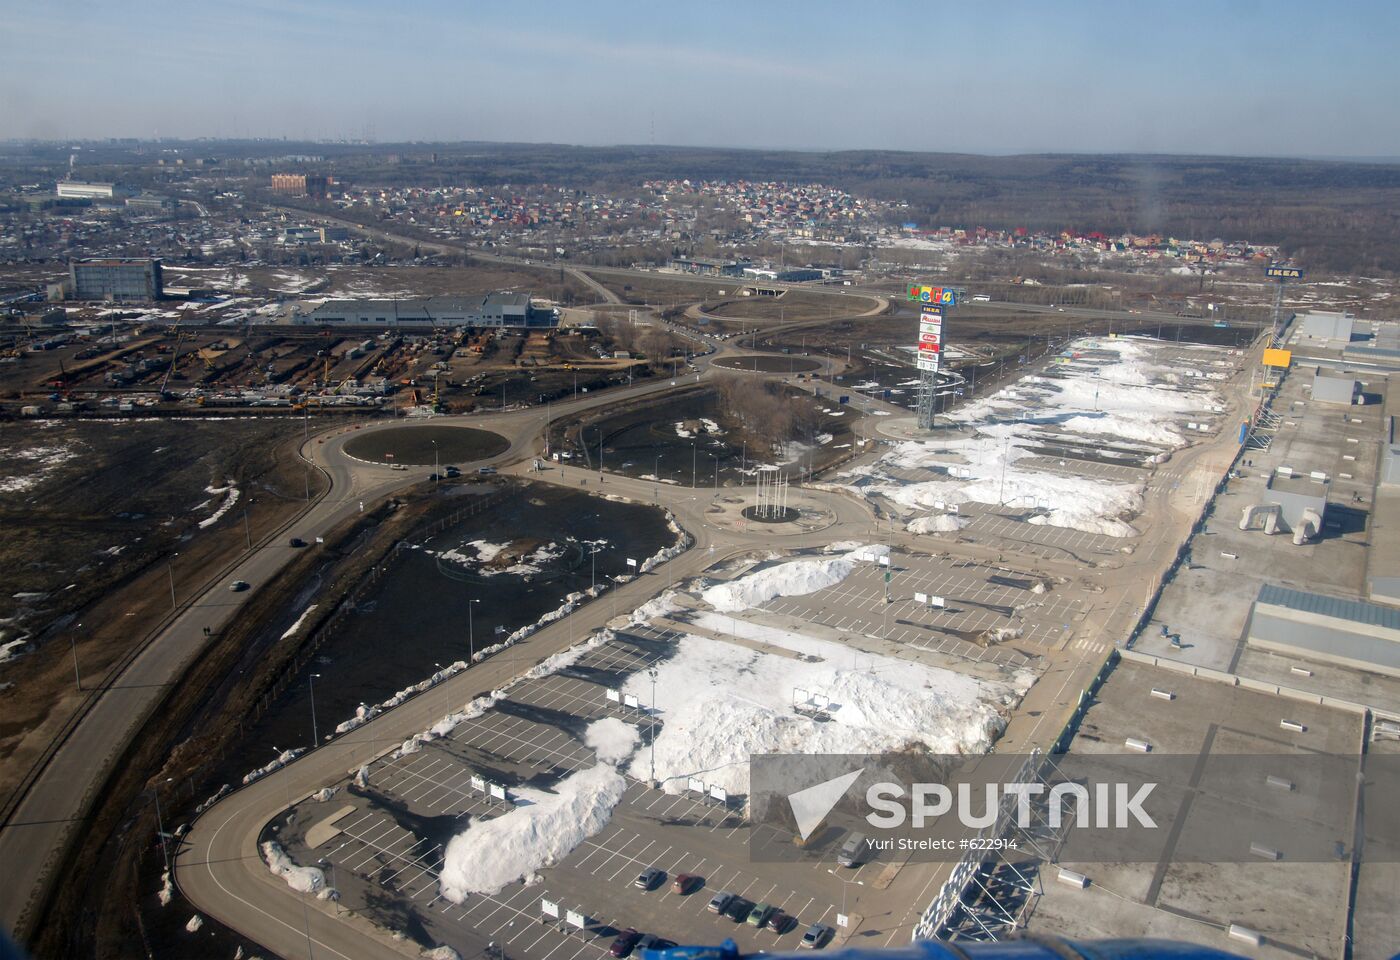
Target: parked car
{"x":720,"y":902}
{"x":760,"y":915}
{"x":649,"y":878}
{"x":816,"y":937}
{"x":853,"y":851}
{"x":238,"y":586}
{"x":651,"y":941}
{"x":739,"y":909}
{"x":624,"y":943}
{"x":779,"y":922}
{"x":685,"y":882}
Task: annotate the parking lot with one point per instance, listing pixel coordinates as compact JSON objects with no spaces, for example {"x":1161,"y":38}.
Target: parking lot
{"x":974,"y":603}
{"x":382,"y":846}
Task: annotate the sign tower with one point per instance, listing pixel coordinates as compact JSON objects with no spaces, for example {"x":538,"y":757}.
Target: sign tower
{"x":933,"y":303}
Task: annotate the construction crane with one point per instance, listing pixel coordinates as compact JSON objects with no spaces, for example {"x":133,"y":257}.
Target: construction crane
{"x":174,"y":357}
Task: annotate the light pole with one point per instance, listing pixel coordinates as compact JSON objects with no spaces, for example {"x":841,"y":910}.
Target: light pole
{"x":844,"y":884}
{"x":311,"y":687}
{"x":170,"y":569}
{"x":325,"y":864}
{"x":471,"y":634}
{"x":435,"y":462}
{"x":73,"y":641}
{"x":160,"y":826}
{"x":652,"y":717}
{"x":594,"y":555}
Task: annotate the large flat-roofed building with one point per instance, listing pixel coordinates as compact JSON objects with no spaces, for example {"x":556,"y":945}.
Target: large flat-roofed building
{"x":115,"y":279}
{"x":79,"y":190}
{"x":1325,"y":629}
{"x":300,"y":185}
{"x":1327,"y":389}
{"x":491,"y":310}
{"x":1325,"y":327}
{"x":706,"y":267}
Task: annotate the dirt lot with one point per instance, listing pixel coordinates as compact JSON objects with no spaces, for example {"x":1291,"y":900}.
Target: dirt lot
{"x":662,"y":290}
{"x":92,"y":520}
{"x":792,"y":306}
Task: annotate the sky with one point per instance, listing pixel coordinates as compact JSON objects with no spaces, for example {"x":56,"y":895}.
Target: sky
{"x":1276,"y":78}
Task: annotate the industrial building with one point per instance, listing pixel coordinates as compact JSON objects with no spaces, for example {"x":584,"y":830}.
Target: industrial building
{"x":1325,"y":327}
{"x":111,"y":279}
{"x":1327,"y":389}
{"x":300,"y":185}
{"x":1293,"y":503}
{"x":491,"y":310}
{"x":705,"y":267}
{"x":1326,"y":629}
{"x":78,"y":190}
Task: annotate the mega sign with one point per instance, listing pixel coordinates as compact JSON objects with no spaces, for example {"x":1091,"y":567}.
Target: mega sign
{"x":1280,"y":273}
{"x":924,"y":294}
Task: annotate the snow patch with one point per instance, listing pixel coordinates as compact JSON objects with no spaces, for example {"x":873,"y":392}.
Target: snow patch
{"x":300,"y":879}
{"x":611,"y":739}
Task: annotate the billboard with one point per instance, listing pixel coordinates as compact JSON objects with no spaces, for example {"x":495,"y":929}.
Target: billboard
{"x":929,"y":336}
{"x":1277,"y":358}
{"x":926,"y":294}
{"x":926,"y":346}
{"x":1283,"y":273}
{"x":928,"y":361}
{"x":930,"y":315}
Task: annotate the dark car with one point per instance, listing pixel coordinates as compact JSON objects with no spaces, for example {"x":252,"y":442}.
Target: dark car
{"x":685,"y":882}
{"x":739,"y":909}
{"x":779,"y":922}
{"x":453,"y":472}
{"x":816,"y":936}
{"x":624,"y":943}
{"x":238,"y":586}
{"x":651,"y":941}
{"x":296,"y":542}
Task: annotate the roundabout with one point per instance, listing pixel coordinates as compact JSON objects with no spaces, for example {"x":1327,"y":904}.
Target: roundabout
{"x":425,"y":445}
{"x":768,"y":363}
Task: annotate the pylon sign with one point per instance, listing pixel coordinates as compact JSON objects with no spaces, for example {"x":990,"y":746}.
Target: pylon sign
{"x":921,"y":293}
{"x":930,"y":345}
{"x":1282,"y":273}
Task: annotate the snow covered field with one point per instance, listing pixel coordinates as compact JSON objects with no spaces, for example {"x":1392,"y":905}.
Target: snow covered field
{"x":1123,"y":392}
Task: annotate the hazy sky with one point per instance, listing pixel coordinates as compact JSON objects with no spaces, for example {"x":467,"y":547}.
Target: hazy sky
{"x":973,"y":75}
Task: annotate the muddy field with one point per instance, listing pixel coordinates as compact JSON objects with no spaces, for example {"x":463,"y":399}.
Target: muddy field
{"x":792,"y":306}
{"x":769,"y":363}
{"x":101,"y":520}
{"x":689,"y":440}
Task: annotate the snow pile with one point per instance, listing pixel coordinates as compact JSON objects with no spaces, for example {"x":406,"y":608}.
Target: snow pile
{"x":939,"y":523}
{"x":231,"y":494}
{"x":300,"y":879}
{"x":720,"y":703}
{"x":13,"y":649}
{"x":365,"y":713}
{"x":1112,"y":391}
{"x":283,"y":758}
{"x":194,"y":923}
{"x":324,"y":794}
{"x":681,"y":545}
{"x":611,"y":739}
{"x":570,"y":604}
{"x":300,"y":620}
{"x":214,"y":798}
{"x":544,"y":828}
{"x":443,"y":952}
{"x":167,"y":889}
{"x":795,"y":578}
{"x":657,"y":607}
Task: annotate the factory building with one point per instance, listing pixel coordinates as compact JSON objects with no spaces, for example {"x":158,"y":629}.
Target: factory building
{"x":113,"y":279}
{"x":493,"y":310}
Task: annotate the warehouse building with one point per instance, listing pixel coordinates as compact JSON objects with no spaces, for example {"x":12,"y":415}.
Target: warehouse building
{"x":112,"y":279}
{"x":1325,"y":327}
{"x":78,"y":190}
{"x":491,"y":310}
{"x":1325,"y":629}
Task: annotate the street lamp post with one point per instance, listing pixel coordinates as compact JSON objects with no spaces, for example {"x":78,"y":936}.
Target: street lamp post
{"x":652,"y":717}
{"x":311,"y":687}
{"x":160,"y":826}
{"x":247,"y":527}
{"x":471,"y":634}
{"x":170,"y":569}
{"x":73,"y":641}
{"x":435,"y":462}
{"x":844,"y":884}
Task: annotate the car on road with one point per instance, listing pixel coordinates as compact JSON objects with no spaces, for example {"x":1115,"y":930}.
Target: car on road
{"x":296,"y":542}
{"x":453,"y":472}
{"x":651,"y":941}
{"x":720,"y":902}
{"x":739,"y":909}
{"x":649,"y":878}
{"x":816,"y":937}
{"x":397,"y":466}
{"x":760,"y":915}
{"x":624,"y":943}
{"x":685,"y":882}
{"x":486,"y":471}
{"x":238,"y":586}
